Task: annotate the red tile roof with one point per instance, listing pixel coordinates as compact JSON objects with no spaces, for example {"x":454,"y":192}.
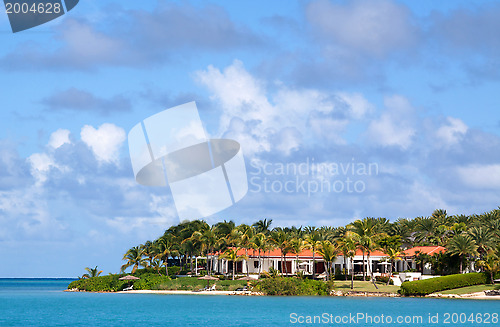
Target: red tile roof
{"x":304,"y":254}
{"x":430,"y":250}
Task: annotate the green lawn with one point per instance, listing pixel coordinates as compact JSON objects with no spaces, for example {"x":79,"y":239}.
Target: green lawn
{"x":361,"y":286}
{"x":471,"y":289}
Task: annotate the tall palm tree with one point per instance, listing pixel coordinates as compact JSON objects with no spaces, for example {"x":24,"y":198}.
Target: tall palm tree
{"x":134,"y":257}
{"x":463,"y":246}
{"x":148,"y":251}
{"x":369,"y":232}
{"x":491,"y":263}
{"x":259,"y":242}
{"x":208,"y":239}
{"x":231,"y":254}
{"x":282,"y":241}
{"x":312,"y":239}
{"x":393,"y":254}
{"x":245,"y":241}
{"x":297,"y":245}
{"x":164,"y":248}
{"x":91,"y":272}
{"x":262,"y":226}
{"x":484,"y":238}
{"x":329,"y":252}
{"x":426,"y":229}
{"x":349,"y":246}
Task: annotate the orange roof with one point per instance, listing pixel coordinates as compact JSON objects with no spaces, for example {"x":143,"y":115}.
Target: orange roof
{"x":430,"y":250}
{"x":307,"y":253}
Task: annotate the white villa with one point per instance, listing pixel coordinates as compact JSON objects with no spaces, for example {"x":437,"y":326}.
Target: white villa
{"x":376,"y":263}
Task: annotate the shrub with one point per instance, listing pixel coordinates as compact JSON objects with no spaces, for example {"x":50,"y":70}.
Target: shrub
{"x":174,"y":270}
{"x":109,"y":283}
{"x":384,"y":279}
{"x":428,"y":286}
{"x":150,"y":281}
{"x":292,"y":286}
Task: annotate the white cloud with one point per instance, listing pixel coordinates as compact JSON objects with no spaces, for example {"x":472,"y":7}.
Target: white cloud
{"x":88,"y":44}
{"x":395,"y":126}
{"x":59,"y":138}
{"x":372,"y":27}
{"x":264,"y":121}
{"x":357,"y":105}
{"x":480,"y":176}
{"x":105,"y":141}
{"x":41,"y":164}
{"x":453,"y":132}
{"x":163,"y":214}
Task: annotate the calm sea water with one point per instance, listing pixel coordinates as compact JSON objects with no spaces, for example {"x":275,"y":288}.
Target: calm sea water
{"x":32,"y":302}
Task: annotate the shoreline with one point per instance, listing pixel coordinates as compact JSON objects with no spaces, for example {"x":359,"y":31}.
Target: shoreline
{"x":472,"y":296}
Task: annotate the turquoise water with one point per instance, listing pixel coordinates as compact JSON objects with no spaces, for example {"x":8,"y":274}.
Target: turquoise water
{"x":42,"y":303}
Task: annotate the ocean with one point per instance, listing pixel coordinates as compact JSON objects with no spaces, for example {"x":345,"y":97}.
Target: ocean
{"x":42,"y":302}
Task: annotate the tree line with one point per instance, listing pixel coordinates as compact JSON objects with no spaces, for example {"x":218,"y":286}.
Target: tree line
{"x":469,"y":239}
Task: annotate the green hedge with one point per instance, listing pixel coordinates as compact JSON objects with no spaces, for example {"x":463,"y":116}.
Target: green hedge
{"x":431,"y":285}
{"x":293,"y":286}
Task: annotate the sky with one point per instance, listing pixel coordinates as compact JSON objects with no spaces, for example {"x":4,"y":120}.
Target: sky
{"x":343,"y":109}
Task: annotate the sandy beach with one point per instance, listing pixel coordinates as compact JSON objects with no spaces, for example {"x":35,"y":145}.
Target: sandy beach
{"x":473,"y":296}
{"x":178,"y":292}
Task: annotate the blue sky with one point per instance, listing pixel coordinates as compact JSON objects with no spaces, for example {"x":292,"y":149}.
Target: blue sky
{"x":409,"y":86}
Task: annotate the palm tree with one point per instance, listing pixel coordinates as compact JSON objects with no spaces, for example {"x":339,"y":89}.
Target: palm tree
{"x":209,"y":240}
{"x":262,"y":226}
{"x":349,"y":246}
{"x":259,"y":243}
{"x":312,"y":240}
{"x":231,"y":254}
{"x":393,"y":254}
{"x":426,"y":229}
{"x":148,"y":251}
{"x":91,"y":272}
{"x":491,"y":263}
{"x":463,"y":246}
{"x":282,"y":241}
{"x":164,"y":248}
{"x":134,"y":257}
{"x":484,"y":239}
{"x":329,"y":252}
{"x":297,"y":245}
{"x":246,"y":240}
{"x":369,"y":231}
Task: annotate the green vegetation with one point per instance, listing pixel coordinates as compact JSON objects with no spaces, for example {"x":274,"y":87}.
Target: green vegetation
{"x":91,"y":272}
{"x":292,"y":286}
{"x":471,"y":289}
{"x":472,"y":241}
{"x":432,"y":285}
{"x":195,"y":284}
{"x":361,"y":286}
{"x":108,"y":283}
{"x":468,"y":239}
{"x":151,"y":281}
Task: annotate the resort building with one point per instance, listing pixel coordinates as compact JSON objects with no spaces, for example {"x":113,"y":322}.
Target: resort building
{"x":377,"y":262}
